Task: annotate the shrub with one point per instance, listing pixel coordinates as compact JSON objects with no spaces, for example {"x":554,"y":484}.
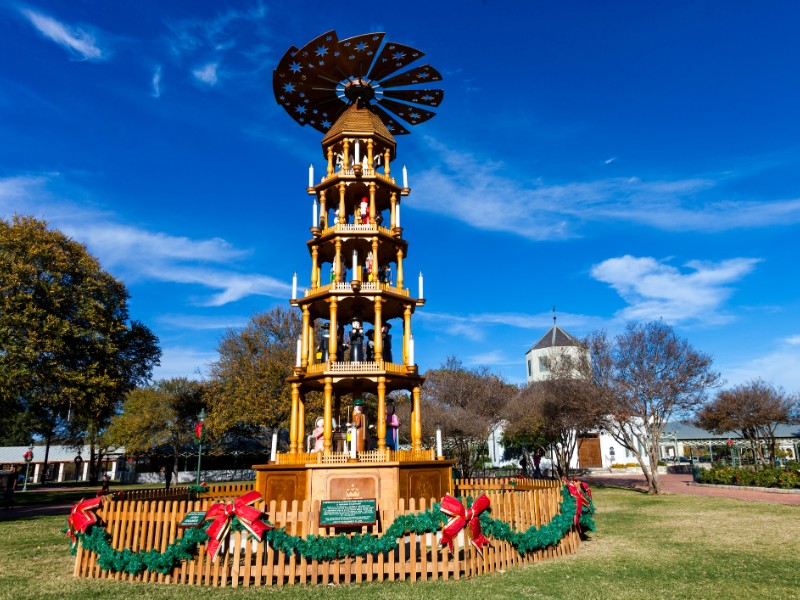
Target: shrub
{"x":768,"y":477}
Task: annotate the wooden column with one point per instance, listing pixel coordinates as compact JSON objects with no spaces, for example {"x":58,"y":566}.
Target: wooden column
{"x":416,"y":420}
{"x":330,"y":160}
{"x":392,"y":208}
{"x":381,"y":413}
{"x":342,"y":207}
{"x":372,"y":203}
{"x":301,"y":420}
{"x":370,"y":160}
{"x":293,"y":421}
{"x":312,"y":349}
{"x":304,"y":337}
{"x":346,"y":154}
{"x":333,"y":339}
{"x":386,"y":168}
{"x":406,"y":333}
{"x":337,"y":264}
{"x":399,"y":282}
{"x":378,"y":340}
{"x":314,"y":268}
{"x":328,"y":435}
{"x":323,"y":210}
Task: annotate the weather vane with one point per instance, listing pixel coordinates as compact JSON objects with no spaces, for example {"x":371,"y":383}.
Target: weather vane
{"x":317,"y":82}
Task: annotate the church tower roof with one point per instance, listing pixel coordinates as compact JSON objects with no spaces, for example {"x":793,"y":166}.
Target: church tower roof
{"x":556,"y":337}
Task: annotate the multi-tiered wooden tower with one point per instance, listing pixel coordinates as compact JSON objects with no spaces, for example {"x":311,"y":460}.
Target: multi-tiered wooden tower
{"x":357,"y":289}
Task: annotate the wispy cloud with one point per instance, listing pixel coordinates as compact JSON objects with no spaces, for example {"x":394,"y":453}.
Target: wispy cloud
{"x":493,"y":199}
{"x":79,"y":42}
{"x":139,"y":254}
{"x":207,"y":74}
{"x":183,"y":361}
{"x":656,"y":290}
{"x":156,"y":82}
{"x":201,"y":323}
{"x":781,"y":366}
{"x":237,"y":36}
{"x":473,"y":326}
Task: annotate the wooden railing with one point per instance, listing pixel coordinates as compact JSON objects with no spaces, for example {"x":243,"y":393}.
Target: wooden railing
{"x":475,"y":486}
{"x":370,"y":456}
{"x":141,"y":526}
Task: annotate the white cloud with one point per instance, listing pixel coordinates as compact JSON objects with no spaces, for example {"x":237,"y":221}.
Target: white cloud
{"x":139,"y":254}
{"x":793,"y":340}
{"x":77,"y":41}
{"x":157,"y":82}
{"x":656,"y":290}
{"x":492,"y":200}
{"x":207,"y":74}
{"x":489,"y":359}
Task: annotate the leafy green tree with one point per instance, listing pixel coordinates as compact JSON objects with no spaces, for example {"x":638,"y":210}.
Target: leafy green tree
{"x":160,"y":416}
{"x":67,"y":348}
{"x":248,"y":389}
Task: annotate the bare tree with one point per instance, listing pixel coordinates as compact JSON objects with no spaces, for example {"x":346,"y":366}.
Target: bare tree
{"x":754,"y":410}
{"x":647,"y":375}
{"x":468,"y":404}
{"x":558,"y":410}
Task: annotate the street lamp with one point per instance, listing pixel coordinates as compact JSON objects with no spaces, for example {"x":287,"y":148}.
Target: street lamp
{"x":78,"y":463}
{"x":199,"y":436}
{"x":28,"y":457}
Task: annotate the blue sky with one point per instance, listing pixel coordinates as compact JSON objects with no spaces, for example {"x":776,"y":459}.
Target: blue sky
{"x":619,"y":160}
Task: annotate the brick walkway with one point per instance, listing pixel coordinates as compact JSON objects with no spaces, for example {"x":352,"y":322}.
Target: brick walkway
{"x":679,"y":484}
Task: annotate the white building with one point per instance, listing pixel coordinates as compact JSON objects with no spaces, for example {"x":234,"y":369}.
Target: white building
{"x":594,"y":449}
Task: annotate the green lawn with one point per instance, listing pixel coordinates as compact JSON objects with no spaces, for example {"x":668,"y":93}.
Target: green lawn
{"x":645,"y":547}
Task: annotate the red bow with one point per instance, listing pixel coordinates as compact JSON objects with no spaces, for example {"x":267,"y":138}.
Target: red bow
{"x":198,"y":430}
{"x":460,"y":516}
{"x":223,"y":516}
{"x":80,"y":518}
{"x":576,"y":489}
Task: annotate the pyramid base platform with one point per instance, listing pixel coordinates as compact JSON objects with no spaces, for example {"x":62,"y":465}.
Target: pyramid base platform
{"x":355,"y":480}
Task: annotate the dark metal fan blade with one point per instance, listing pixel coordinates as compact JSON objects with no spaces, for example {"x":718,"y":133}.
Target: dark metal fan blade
{"x":319,"y":50}
{"x":392,"y":124}
{"x":412,"y":114}
{"x":393,"y":57}
{"x":426,"y":97}
{"x":423,"y":74}
{"x":356,"y":54}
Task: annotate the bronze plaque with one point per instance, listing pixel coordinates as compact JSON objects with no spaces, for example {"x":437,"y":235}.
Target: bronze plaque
{"x":351,"y":488}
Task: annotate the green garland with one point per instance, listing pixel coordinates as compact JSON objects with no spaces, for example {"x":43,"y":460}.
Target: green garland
{"x":320,"y":547}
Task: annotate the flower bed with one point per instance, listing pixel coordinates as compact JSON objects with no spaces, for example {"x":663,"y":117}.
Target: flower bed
{"x":786,"y":478}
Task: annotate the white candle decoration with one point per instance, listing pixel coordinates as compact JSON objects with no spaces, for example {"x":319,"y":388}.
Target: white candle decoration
{"x":355,"y":263}
{"x":273,"y":455}
{"x":405,"y":177}
{"x":358,"y":153}
{"x":311,"y":175}
{"x":315,"y":218}
{"x":439,"y":441}
{"x":294,"y":286}
{"x":411,"y":350}
{"x":353,"y":444}
{"x":421,"y":293}
{"x":299,"y":351}
{"x":397,"y":215}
